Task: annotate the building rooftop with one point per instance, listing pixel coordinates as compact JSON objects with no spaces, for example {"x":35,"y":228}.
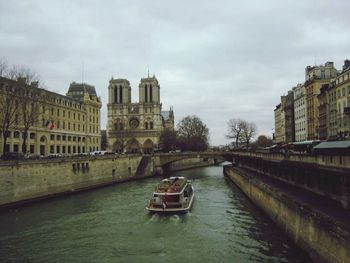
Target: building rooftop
{"x":77,"y":90}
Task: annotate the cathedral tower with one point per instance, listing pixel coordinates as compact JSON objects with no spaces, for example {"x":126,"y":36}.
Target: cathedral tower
{"x":149,"y":90}
{"x":119,"y":91}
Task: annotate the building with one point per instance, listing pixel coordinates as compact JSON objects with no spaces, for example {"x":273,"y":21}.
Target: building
{"x":300,"y":113}
{"x":323,"y":112}
{"x":315,"y":77}
{"x":62,"y":124}
{"x":342,"y":87}
{"x":279,"y":135}
{"x":287,"y":105}
{"x":284,"y":119}
{"x":136,"y":127}
{"x":332,"y":124}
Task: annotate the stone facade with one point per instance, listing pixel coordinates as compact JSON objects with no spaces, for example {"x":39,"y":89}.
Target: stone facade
{"x":279,"y":137}
{"x":284,"y":119}
{"x":64,"y":125}
{"x":300,"y":113}
{"x":315,"y":77}
{"x":136,"y":127}
{"x":342,"y":87}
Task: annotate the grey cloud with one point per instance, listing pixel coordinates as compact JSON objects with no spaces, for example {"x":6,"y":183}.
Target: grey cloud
{"x":218,"y":60}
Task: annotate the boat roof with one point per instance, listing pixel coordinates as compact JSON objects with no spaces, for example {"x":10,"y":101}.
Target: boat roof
{"x":171,"y":185}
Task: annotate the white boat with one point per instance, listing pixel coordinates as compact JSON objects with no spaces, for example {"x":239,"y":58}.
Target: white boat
{"x":172,"y":195}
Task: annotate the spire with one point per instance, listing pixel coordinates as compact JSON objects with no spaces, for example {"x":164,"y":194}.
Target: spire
{"x":148,"y":71}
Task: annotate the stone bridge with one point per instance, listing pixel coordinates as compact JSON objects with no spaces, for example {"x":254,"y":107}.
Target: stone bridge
{"x":163,"y":159}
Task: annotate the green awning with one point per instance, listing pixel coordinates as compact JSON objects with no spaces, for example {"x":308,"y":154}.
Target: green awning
{"x":333,"y":145}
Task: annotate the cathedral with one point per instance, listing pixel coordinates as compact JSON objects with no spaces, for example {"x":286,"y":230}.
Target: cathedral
{"x":136,"y":127}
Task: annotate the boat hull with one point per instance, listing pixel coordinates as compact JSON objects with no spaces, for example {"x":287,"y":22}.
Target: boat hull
{"x":169,"y":210}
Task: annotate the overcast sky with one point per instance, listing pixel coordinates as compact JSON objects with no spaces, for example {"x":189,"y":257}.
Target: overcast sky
{"x":214,"y":59}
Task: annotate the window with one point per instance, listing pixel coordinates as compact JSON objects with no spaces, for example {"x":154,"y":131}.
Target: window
{"x":32,"y":135}
{"x":16,"y":134}
{"x":15,"y":148}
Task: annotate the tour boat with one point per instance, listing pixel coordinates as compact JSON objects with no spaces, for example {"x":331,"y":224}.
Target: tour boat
{"x":172,"y":195}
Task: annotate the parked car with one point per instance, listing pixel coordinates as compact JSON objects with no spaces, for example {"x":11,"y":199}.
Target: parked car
{"x":32,"y":156}
{"x":99,"y":153}
{"x":13,"y":156}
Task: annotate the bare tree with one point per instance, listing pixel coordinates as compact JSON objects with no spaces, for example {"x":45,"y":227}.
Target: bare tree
{"x":263,"y":141}
{"x":235,"y":130}
{"x":19,"y":101}
{"x":3,"y":67}
{"x":9,"y":117}
{"x":29,"y":99}
{"x":248,"y":132}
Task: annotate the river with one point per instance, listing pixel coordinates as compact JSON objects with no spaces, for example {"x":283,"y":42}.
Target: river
{"x":111,"y":225}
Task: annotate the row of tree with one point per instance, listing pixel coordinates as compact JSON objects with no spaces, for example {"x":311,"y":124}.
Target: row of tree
{"x":19,"y":105}
{"x":191,"y":134}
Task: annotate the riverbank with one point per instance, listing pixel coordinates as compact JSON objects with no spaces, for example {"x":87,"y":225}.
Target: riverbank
{"x":316,"y":224}
{"x":28,"y":181}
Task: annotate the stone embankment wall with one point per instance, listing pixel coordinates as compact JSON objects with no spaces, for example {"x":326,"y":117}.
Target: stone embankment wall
{"x":330,"y":181}
{"x":23,"y":181}
{"x":324,"y":237}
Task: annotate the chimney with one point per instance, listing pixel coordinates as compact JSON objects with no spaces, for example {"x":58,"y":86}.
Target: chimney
{"x":22,"y":80}
{"x":34,"y":84}
{"x":346,"y":64}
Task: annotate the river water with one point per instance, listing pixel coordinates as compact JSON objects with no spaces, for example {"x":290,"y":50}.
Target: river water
{"x":111,"y":225}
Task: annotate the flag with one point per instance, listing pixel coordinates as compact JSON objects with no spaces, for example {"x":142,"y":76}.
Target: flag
{"x":50,"y":125}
